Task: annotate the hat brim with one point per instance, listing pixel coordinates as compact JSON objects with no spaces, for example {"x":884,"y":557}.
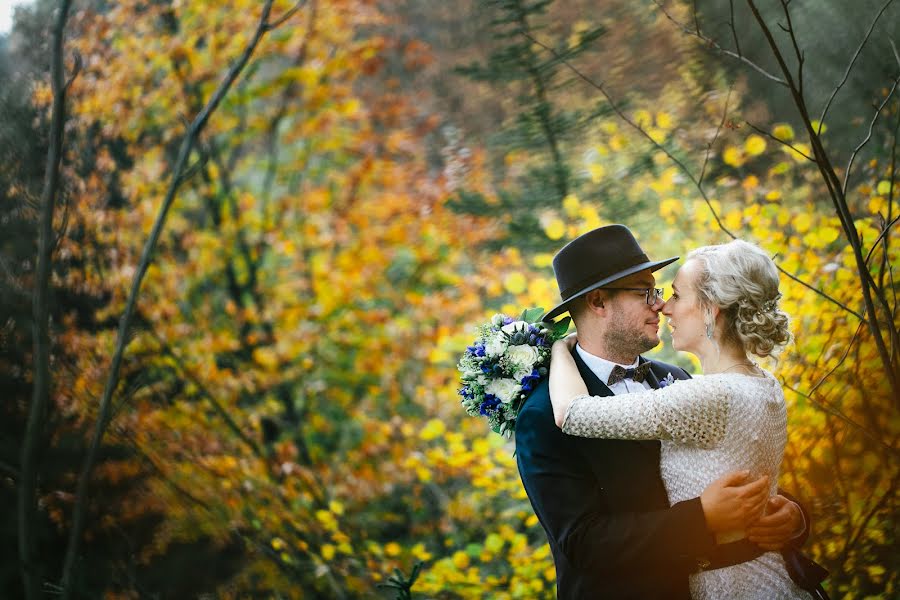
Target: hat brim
{"x":563,"y":306}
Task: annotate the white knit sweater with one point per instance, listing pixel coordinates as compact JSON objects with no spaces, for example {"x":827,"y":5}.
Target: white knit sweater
{"x":709,"y":426}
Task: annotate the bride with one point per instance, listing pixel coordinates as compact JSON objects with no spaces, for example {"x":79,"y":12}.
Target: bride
{"x":724,"y":306}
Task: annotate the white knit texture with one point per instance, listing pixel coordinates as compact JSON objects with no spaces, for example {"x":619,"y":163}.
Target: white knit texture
{"x":709,"y":426}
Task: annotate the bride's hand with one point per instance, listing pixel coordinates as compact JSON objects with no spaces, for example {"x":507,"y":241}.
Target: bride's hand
{"x":567,"y":343}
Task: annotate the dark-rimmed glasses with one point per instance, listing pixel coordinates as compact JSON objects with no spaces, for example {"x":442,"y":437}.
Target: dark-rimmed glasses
{"x":651,"y":295}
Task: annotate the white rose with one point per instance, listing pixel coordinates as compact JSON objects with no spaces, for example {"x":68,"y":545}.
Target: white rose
{"x":496,"y":345}
{"x":504,"y":389}
{"x":522,"y":356}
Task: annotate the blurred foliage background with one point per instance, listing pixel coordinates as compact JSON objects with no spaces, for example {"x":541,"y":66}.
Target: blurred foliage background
{"x":383,"y":177}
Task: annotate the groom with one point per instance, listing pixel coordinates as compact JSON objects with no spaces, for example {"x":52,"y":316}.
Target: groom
{"x":602,"y":502}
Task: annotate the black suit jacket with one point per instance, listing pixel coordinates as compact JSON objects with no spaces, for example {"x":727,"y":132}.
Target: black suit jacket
{"x":604,"y":508}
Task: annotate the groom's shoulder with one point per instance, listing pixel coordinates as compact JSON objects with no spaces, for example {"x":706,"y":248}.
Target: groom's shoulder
{"x":537,"y":410}
{"x":666,"y":369}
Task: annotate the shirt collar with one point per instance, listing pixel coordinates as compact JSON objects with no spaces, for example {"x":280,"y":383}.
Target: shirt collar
{"x":600,"y":366}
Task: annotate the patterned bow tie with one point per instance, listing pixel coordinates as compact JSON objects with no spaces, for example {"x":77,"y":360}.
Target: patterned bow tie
{"x":619,"y":373}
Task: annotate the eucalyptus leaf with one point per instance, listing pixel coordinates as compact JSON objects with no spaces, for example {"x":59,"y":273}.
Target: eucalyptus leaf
{"x":532,"y":315}
{"x":561,"y":327}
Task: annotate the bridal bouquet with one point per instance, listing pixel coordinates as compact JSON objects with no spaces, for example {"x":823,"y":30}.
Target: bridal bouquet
{"x":505,"y":363}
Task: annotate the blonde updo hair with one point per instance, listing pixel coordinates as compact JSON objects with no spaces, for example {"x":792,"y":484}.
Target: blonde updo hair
{"x":742,"y":281}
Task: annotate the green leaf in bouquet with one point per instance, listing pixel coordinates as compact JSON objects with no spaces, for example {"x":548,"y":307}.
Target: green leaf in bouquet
{"x":531,"y":315}
{"x":560,"y":328}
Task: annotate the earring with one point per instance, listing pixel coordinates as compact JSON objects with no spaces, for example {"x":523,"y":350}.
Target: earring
{"x":709,"y":330}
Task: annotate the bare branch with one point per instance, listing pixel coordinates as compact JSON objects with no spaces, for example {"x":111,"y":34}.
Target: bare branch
{"x":853,"y":62}
{"x":780,"y":141}
{"x":76,"y":69}
{"x":41,"y":378}
{"x":868,"y":135}
{"x":837,"y":193}
{"x":835,"y":412}
{"x":880,"y":237}
{"x":681,"y":166}
{"x":713,"y":44}
{"x":709,"y":147}
{"x":888,"y":495}
{"x":290,"y":13}
{"x":193,"y":132}
{"x":790,"y":31}
{"x":217,"y":406}
{"x":834,"y":301}
{"x":734,"y":35}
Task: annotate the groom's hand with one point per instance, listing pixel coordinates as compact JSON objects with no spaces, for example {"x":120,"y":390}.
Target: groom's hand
{"x":782,"y":522}
{"x":733,"y":502}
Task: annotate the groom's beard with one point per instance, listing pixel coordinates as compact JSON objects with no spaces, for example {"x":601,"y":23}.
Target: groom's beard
{"x":627,"y":341}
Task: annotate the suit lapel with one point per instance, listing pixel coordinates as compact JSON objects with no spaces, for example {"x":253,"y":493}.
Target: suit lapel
{"x":594,"y":385}
{"x":652,"y":379}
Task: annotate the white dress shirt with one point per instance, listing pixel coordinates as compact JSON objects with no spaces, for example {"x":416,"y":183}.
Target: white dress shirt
{"x":602,"y":369}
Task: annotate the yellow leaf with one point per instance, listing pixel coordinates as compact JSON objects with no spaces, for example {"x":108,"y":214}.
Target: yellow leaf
{"x":392,"y":549}
{"x":877,"y":204}
{"x":336,"y":507}
{"x":819,"y":127}
{"x":596,"y":172}
{"x":773,"y":195}
{"x":571,"y":205}
{"x":555,"y":229}
{"x":802,"y":222}
{"x":493,"y":543}
{"x":643,"y":119}
{"x":670,"y":207}
{"x":664,"y":120}
{"x":460,"y":559}
{"x":542,"y":260}
{"x":733,"y":220}
{"x":750,"y":183}
{"x":434,"y":428}
{"x":798,"y":152}
{"x":732,"y":156}
{"x":755,"y":145}
{"x":327,"y":551}
{"x":515,"y":283}
{"x":783,"y":132}
{"x":884,"y":188}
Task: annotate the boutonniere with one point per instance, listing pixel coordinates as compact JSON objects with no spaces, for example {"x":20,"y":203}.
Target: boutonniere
{"x":669,"y":380}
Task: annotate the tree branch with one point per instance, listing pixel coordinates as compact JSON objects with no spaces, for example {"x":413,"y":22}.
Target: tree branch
{"x":713,"y":44}
{"x":852,"y":62}
{"x":40,"y":397}
{"x":193,"y":132}
{"x":683,"y":168}
{"x":868,"y":135}
{"x":780,"y":141}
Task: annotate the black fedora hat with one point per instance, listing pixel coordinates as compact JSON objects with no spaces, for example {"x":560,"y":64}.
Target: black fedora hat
{"x":596,"y":259}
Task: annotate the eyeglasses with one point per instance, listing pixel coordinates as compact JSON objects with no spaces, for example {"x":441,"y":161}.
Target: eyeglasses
{"x":652,"y":295}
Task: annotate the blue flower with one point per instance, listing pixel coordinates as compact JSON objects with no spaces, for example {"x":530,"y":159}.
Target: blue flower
{"x":477,"y":349}
{"x":490,"y":405}
{"x":529,"y":381}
